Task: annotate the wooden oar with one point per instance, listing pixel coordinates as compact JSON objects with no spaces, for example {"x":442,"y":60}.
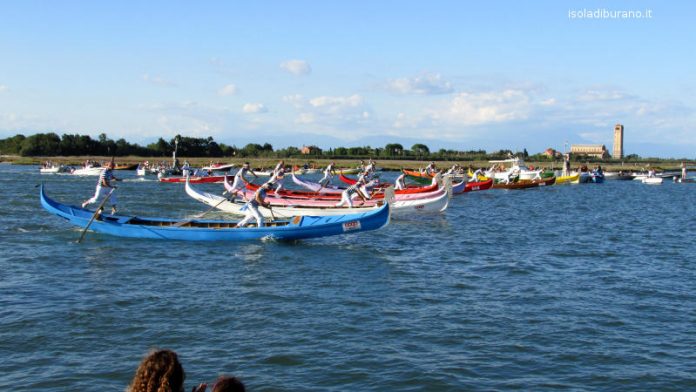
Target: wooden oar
{"x":96,"y":213}
{"x":199,"y":216}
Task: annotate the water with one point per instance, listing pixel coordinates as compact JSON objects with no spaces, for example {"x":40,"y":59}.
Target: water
{"x":571,"y":287}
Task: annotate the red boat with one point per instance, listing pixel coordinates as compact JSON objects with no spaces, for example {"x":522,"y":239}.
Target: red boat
{"x":194,"y":180}
{"x":337,"y":196}
{"x":478,"y":186}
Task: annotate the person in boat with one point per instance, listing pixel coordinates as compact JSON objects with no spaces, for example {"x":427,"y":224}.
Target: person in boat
{"x":566,"y":164}
{"x":431,"y":168}
{"x":371,"y":166}
{"x":361,"y":166}
{"x":104,"y":186}
{"x":252,"y":206}
{"x":186,"y":169}
{"x":279,"y":167}
{"x":400,"y":182}
{"x":329,"y":172}
{"x":355,"y":189}
{"x":683,"y":171}
{"x":475,"y":176}
{"x":277,"y":180}
{"x":278,"y":176}
{"x":239,"y":184}
{"x":512,"y":176}
{"x":365,"y":176}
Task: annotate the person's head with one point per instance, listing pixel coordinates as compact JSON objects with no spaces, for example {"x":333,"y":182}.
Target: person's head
{"x":266,"y":186}
{"x":246,"y":165}
{"x":228,"y":384}
{"x":160,"y":371}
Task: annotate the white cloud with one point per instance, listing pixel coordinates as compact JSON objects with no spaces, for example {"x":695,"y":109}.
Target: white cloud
{"x":254,"y":108}
{"x":335,"y":104}
{"x":426,"y":84}
{"x":296,"y":67}
{"x":467,"y":109}
{"x":3,"y":88}
{"x":158,"y":80}
{"x":330,"y":110}
{"x":228,"y":89}
{"x":602,"y":94}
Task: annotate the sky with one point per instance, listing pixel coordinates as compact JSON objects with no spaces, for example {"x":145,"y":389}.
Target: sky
{"x":451,"y":74}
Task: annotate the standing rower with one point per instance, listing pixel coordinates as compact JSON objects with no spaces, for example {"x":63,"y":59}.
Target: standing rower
{"x":347,"y":195}
{"x":104,"y":183}
{"x":278,"y":176}
{"x":400,"y":182}
{"x":329,"y":172}
{"x":252,"y":206}
{"x":239,"y":184}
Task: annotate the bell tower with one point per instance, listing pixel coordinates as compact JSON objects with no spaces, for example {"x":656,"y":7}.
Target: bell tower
{"x":618,"y":141}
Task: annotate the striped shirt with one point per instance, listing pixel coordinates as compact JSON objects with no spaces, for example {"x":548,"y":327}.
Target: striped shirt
{"x":105,"y":177}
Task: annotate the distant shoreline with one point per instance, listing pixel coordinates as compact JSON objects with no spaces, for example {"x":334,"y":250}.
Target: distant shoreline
{"x":667,"y":164}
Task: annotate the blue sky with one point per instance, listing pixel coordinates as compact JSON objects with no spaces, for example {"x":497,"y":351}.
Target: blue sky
{"x":464,"y":75}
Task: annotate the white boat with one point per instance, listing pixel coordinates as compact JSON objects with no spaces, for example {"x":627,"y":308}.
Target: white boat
{"x":401,"y":208}
{"x":513,"y":167}
{"x":652,"y":180}
{"x":88,"y":171}
{"x":219,"y":167}
{"x":53,"y":169}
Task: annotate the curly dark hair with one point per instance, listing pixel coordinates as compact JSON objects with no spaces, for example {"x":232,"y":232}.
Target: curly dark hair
{"x":228,"y":384}
{"x":160,"y":371}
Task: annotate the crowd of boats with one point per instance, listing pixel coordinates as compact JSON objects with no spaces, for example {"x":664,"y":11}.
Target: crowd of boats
{"x":339,"y":203}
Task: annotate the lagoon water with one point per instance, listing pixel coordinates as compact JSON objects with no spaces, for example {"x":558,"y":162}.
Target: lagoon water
{"x":580,"y":287}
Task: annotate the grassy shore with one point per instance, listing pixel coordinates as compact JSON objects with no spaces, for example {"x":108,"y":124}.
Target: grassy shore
{"x":341,"y":163}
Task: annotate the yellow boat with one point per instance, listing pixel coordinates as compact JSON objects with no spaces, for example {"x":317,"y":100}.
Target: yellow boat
{"x":571,"y":179}
{"x":481,"y":177}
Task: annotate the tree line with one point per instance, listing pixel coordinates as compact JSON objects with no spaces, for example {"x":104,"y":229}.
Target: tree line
{"x":51,"y":144}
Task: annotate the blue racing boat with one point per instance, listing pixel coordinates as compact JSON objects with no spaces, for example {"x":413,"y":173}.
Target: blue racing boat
{"x":298,"y":227}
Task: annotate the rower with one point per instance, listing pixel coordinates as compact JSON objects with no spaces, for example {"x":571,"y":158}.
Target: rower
{"x":278,"y":176}
{"x":239,"y":183}
{"x":355,"y":189}
{"x":252,"y":206}
{"x":566,"y":164}
{"x":400,"y":182}
{"x":475,"y":176}
{"x":370,"y":166}
{"x":431,"y":168}
{"x":104,"y":183}
{"x":329,"y":172}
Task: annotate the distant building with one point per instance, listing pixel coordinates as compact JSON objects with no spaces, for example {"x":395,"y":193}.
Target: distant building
{"x":307,"y":150}
{"x":618,"y":141}
{"x":593,"y":150}
{"x":551,"y":153}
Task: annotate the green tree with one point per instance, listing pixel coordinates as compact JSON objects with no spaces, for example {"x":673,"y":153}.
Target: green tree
{"x":420,"y":149}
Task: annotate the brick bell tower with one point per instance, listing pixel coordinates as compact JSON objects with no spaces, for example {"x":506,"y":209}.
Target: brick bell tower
{"x":618,"y":142}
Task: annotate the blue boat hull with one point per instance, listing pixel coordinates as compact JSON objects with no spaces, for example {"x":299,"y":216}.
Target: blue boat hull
{"x":215,"y":230}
